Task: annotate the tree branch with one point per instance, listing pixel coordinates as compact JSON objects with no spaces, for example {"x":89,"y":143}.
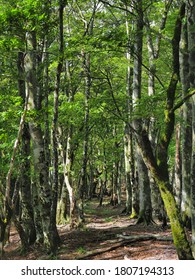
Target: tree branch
{"x":180,"y":103}
{"x":117,"y":7}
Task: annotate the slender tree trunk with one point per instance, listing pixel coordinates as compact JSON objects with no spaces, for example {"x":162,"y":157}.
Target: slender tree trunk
{"x":143,"y":179}
{"x":55,"y":240}
{"x":104,"y":178}
{"x":128,"y":171}
{"x":116,"y":186}
{"x":62,"y":206}
{"x":177,"y":169}
{"x":186,"y":128}
{"x":67,"y":168}
{"x":128,"y":139}
{"x":83,"y":182}
{"x":191,"y":49}
{"x":193,"y":184}
{"x":67,"y":156}
{"x":86,"y":65}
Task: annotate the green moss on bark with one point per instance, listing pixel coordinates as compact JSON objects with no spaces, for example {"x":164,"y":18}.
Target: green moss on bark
{"x":179,"y":237}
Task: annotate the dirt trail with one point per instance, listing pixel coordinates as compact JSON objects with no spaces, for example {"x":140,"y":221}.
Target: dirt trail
{"x":101,"y":238}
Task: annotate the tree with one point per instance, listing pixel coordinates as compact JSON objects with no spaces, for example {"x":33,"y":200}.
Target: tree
{"x":159,"y":165}
{"x":191,"y":51}
{"x":186,"y":127}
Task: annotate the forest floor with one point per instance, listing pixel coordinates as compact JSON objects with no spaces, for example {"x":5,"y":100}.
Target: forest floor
{"x":106,"y":235}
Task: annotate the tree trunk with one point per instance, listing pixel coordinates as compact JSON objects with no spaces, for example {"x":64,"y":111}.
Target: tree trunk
{"x":158,"y":172}
{"x":37,"y":136}
{"x":129,"y":174}
{"x":145,"y":206}
{"x":67,"y":157}
{"x":177,"y":184}
{"x":67,"y":160}
{"x":55,"y":239}
{"x":193,"y":185}
{"x":145,"y":209}
{"x":25,"y":181}
{"x":128,"y":138}
{"x":83,"y":182}
{"x":62,"y":206}
{"x":191,"y":49}
{"x":186,"y":128}
{"x":25,"y":185}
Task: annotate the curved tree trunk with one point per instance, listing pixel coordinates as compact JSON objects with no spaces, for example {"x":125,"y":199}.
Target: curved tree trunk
{"x":158,"y":164}
{"x":161,"y":177}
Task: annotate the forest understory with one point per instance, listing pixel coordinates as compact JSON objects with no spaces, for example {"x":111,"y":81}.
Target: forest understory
{"x":106,"y":235}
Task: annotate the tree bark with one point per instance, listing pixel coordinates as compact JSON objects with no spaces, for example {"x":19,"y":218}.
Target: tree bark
{"x":179,"y":237}
{"x":191,"y":49}
{"x":145,"y":209}
{"x":186,"y":128}
{"x":128,"y":138}
{"x":25,"y":181}
{"x":55,"y":238}
{"x":82,"y":189}
{"x":37,"y":137}
{"x":177,"y":180}
{"x":25,"y":185}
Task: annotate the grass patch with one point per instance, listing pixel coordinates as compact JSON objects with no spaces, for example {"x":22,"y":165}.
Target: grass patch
{"x":92,"y":208}
{"x":108,"y":219}
{"x":81,"y":250}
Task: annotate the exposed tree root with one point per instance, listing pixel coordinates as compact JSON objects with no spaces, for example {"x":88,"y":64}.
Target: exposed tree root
{"x":126,"y":240}
{"x":133,"y":238}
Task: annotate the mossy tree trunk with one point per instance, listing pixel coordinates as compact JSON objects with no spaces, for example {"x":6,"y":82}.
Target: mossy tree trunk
{"x":25,"y":180}
{"x":25,"y":186}
{"x":158,"y":164}
{"x":160,"y":174}
{"x":153,"y":46}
